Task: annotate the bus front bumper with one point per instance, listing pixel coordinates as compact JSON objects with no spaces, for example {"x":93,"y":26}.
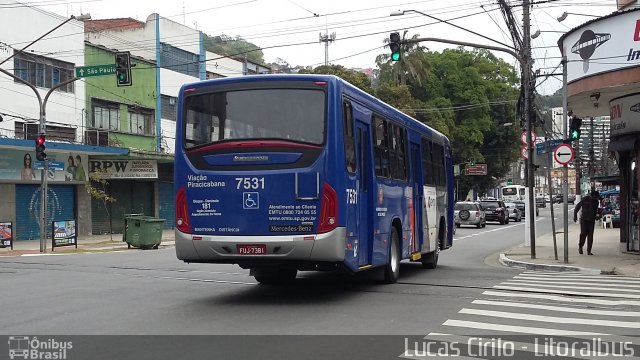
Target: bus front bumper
{"x":327,"y":247}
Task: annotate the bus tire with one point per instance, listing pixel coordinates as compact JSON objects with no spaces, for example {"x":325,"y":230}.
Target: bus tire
{"x":430,"y":260}
{"x":276,"y":277}
{"x":392,"y":269}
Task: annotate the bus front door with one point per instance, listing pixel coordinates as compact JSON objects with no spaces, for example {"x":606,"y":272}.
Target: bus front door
{"x":418,"y":204}
{"x":365,"y":205}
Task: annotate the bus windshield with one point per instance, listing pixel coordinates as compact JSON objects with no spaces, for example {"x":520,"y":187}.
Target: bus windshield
{"x":280,"y":114}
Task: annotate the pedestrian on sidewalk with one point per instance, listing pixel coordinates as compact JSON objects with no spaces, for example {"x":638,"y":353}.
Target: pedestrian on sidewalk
{"x":589,"y":206}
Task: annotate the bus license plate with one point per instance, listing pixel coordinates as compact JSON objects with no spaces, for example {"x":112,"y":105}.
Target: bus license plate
{"x":260,"y":249}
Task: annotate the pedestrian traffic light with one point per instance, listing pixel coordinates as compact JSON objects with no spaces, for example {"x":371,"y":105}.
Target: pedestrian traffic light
{"x":40,"y":148}
{"x":472,"y":162}
{"x":394,"y":46}
{"x":574,"y":128}
{"x":123,"y":69}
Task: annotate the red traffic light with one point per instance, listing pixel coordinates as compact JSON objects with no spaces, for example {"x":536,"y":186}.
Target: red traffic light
{"x":40,"y":140}
{"x":41,"y":155}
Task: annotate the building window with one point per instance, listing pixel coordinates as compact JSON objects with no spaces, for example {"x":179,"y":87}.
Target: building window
{"x":43,"y":72}
{"x":179,"y":60}
{"x":168,"y":105}
{"x":141,"y":121}
{"x":106,"y":115}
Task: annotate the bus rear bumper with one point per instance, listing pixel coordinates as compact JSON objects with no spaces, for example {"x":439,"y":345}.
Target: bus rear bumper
{"x":328,"y":247}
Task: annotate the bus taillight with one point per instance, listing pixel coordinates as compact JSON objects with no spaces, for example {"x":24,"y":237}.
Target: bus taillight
{"x":182,"y":212}
{"x":328,"y":209}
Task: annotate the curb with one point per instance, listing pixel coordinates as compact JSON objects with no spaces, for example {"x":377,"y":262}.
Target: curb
{"x":504,"y":260}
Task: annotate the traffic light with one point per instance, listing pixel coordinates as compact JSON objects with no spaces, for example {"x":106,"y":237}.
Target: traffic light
{"x":394,"y":46}
{"x":40,"y":148}
{"x":123,"y":69}
{"x":472,"y":162}
{"x":574,"y":128}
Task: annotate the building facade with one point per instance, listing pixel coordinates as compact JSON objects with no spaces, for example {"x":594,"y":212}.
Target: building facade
{"x":599,"y":87}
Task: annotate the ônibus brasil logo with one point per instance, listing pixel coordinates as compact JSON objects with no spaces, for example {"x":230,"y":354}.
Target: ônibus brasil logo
{"x":25,"y":347}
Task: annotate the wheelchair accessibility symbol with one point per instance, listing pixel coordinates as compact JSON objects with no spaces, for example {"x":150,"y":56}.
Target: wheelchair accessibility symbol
{"x":250,"y":200}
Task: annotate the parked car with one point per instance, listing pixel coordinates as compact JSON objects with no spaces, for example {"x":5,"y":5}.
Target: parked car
{"x":541,"y":201}
{"x":469,"y":213}
{"x":523,"y":209}
{"x":495,"y":210}
{"x":558,"y":198}
{"x":514,"y":212}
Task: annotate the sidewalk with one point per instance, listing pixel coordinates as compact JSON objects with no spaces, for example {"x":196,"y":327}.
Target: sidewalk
{"x":607,"y":258}
{"x":86,"y":243}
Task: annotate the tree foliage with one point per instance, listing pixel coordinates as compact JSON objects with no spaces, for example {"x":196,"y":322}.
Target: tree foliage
{"x":356,"y":78}
{"x":466,"y":95}
{"x":236,"y":47}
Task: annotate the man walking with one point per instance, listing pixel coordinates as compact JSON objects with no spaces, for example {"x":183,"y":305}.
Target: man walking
{"x":589,"y":206}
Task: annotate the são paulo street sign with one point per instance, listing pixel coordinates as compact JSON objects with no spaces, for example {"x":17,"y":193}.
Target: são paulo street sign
{"x":563,"y":154}
{"x":97,"y":70}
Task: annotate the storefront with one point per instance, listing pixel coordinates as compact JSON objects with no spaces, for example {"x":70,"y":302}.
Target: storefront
{"x":603,"y":73}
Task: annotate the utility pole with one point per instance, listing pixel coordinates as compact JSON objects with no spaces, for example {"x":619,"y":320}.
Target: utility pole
{"x":565,"y":168}
{"x":326,"y":39}
{"x":526,"y":80}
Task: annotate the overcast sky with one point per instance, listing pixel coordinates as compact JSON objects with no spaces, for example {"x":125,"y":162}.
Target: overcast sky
{"x":360,"y":26}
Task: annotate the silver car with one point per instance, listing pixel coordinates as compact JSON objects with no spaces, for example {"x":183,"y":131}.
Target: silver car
{"x":469,"y":213}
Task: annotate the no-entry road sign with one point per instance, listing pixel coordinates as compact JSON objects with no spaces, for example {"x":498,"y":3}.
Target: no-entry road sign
{"x":563,"y":154}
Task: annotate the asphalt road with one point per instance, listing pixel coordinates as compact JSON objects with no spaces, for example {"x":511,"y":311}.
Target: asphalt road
{"x":151,"y":292}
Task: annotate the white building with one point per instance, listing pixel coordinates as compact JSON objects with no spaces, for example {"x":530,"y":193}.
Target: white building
{"x":45,"y":64}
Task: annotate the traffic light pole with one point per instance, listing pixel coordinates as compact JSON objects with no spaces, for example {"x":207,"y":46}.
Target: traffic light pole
{"x":525,"y":64}
{"x":43,"y":131}
{"x":565,"y":168}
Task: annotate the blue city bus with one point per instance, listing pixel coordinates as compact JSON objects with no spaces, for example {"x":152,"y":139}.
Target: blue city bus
{"x":288,"y":173}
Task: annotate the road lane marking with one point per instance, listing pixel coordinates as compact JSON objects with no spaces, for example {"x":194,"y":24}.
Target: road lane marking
{"x":567,"y":292}
{"x":557,"y":308}
{"x":519,"y":329}
{"x":551,"y":319}
{"x":537,"y":283}
{"x":563,"y":299}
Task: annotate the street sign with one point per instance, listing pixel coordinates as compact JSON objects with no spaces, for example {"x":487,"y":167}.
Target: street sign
{"x":53,"y":165}
{"x":97,"y":70}
{"x":549,"y":145}
{"x":477,"y":169}
{"x":525,"y":152}
{"x":563,"y":154}
{"x":523,"y":137}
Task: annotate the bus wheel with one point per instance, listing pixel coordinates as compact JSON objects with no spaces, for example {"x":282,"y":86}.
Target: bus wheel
{"x":274,"y":276}
{"x":430,"y":260}
{"x":392,"y":269}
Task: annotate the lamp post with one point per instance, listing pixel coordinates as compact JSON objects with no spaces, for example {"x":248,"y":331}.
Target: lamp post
{"x":42,"y":125}
{"x":403,"y":12}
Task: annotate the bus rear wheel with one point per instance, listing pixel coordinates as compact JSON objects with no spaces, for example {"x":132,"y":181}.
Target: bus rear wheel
{"x":274,"y":276}
{"x":392,"y":269}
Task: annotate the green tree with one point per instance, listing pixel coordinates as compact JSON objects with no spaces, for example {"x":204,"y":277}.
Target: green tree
{"x":356,"y":78}
{"x":236,"y":47}
{"x":468,"y":96}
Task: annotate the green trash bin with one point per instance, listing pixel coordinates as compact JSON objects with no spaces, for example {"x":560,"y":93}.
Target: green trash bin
{"x":141,"y":231}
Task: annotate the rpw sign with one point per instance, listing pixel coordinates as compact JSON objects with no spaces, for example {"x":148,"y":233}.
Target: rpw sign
{"x":124,"y":169}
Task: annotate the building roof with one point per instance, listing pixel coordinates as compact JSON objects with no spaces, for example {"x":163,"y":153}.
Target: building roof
{"x":112,"y":24}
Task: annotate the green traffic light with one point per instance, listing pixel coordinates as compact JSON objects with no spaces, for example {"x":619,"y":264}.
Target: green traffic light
{"x":575,"y":135}
{"x":395,"y":56}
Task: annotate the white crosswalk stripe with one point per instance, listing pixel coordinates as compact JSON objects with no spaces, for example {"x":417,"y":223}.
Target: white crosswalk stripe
{"x":601,"y":311}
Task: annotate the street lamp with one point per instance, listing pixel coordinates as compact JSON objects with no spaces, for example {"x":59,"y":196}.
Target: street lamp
{"x":402,"y":12}
{"x":565,"y":14}
{"x":538,"y":32}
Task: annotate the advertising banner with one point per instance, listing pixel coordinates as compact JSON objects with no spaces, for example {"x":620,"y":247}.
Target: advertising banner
{"x":6,"y":235}
{"x":22,"y":166}
{"x":124,"y":169}
{"x":625,"y":115}
{"x":64,"y":234}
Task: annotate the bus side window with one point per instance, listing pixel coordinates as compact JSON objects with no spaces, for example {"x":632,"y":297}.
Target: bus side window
{"x":381,"y":147}
{"x":349,"y":145}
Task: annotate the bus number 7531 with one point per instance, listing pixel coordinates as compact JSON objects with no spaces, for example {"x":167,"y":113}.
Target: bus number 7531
{"x":253,"y":183}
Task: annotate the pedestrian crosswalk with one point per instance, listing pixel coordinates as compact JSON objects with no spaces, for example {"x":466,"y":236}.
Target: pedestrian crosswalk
{"x":540,"y":315}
